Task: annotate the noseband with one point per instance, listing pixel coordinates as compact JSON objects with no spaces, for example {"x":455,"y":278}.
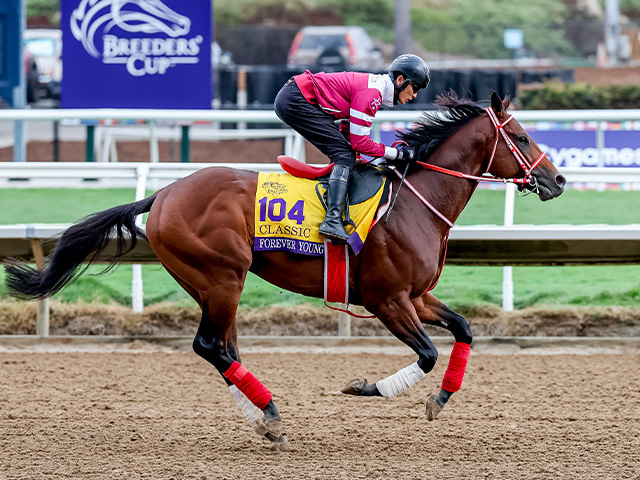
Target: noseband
{"x":527,"y":167}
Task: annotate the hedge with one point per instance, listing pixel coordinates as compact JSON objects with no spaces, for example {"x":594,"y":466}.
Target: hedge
{"x":560,"y":96}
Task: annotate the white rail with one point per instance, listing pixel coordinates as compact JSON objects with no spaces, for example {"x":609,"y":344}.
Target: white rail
{"x":294,"y":144}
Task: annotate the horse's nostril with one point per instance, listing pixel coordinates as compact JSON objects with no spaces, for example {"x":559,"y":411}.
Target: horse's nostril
{"x":561,"y":181}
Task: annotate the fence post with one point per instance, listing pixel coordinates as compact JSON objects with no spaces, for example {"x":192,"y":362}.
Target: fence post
{"x":185,"y":147}
{"x":56,"y":140}
{"x":344,"y":324}
{"x":91,"y":136}
{"x":154,"y":154}
{"x":242,"y":98}
{"x":137,"y":291}
{"x":507,"y":272}
{"x":42,"y":318}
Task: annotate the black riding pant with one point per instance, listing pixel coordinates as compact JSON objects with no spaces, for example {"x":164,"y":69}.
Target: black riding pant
{"x":313,"y":124}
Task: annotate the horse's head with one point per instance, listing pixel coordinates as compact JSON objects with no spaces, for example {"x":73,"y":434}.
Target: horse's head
{"x":515,"y":155}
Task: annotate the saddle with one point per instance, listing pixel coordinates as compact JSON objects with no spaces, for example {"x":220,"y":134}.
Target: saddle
{"x":364,"y":181}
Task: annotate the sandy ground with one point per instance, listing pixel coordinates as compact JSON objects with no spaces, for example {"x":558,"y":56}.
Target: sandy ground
{"x":162,"y":414}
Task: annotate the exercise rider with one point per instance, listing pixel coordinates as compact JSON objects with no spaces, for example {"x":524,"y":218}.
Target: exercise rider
{"x":311,"y":102}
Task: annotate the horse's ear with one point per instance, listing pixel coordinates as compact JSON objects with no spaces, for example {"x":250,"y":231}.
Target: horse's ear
{"x":506,"y":101}
{"x":496,"y":103}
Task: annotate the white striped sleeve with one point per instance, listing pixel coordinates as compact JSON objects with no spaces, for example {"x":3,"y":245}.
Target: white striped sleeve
{"x":361,"y":115}
{"x":359,"y":129}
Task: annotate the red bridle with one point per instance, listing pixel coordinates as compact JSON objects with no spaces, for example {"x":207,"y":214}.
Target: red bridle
{"x":526,"y":166}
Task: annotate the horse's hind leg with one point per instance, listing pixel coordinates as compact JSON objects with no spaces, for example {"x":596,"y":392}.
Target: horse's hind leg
{"x":264,"y":423}
{"x":215,"y":341}
{"x":431,"y":311}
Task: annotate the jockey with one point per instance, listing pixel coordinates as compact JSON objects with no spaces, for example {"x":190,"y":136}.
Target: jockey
{"x":311,"y":102}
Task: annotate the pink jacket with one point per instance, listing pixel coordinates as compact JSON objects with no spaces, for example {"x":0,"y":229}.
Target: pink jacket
{"x":353,"y":96}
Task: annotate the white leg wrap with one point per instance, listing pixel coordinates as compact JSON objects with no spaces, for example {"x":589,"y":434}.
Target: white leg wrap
{"x":251,"y":412}
{"x":400,"y":381}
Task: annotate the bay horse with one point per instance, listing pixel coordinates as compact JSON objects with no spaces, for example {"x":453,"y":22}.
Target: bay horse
{"x":202,"y":231}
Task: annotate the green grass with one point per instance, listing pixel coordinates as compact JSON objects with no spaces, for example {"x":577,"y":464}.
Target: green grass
{"x":159,"y":286}
{"x":460,"y":287}
{"x":69,"y":205}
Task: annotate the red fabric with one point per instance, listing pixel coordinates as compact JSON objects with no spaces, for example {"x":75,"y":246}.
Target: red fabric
{"x":236,"y":372}
{"x":253,"y":388}
{"x":457,"y":365}
{"x":300,"y":169}
{"x":336,"y":272}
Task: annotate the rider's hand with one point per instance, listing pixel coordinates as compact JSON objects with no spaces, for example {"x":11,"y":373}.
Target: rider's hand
{"x":405,"y":152}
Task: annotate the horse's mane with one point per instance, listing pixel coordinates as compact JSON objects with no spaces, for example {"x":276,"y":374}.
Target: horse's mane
{"x":433,"y":128}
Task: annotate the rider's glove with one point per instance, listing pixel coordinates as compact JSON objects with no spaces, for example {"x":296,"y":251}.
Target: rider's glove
{"x":405,"y":152}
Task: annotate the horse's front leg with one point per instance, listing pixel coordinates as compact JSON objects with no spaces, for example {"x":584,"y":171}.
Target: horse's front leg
{"x":432,"y":311}
{"x":401,"y":319}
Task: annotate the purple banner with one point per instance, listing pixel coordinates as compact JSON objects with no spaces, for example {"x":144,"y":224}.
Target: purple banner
{"x":136,"y":54}
{"x":290,"y":245}
{"x":570,"y":148}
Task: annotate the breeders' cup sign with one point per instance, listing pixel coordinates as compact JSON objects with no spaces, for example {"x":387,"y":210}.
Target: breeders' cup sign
{"x":136,"y":54}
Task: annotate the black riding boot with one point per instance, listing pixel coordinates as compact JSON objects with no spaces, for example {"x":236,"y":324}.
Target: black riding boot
{"x":332,"y":226}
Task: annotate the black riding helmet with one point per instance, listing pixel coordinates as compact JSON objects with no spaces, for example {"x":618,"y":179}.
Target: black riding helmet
{"x":415,"y":71}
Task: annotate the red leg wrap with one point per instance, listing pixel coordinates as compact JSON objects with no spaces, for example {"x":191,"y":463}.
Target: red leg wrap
{"x":457,"y":365}
{"x":255,"y":391}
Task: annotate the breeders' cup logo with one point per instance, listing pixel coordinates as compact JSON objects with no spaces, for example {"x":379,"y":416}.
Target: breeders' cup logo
{"x":274,"y":188}
{"x":96,"y":20}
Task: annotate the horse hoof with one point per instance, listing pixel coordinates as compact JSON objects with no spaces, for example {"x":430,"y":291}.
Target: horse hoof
{"x":433,"y":407}
{"x":283,"y":444}
{"x":280,"y":443}
{"x":355,"y":386}
{"x":273,"y":427}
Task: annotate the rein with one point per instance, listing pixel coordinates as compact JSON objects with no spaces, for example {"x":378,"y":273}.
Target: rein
{"x":526,"y":166}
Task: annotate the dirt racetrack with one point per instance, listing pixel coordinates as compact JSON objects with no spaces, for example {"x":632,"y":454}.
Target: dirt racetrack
{"x":148,"y":412}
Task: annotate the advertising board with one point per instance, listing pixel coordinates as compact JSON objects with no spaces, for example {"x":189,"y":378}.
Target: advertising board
{"x":136,"y":54}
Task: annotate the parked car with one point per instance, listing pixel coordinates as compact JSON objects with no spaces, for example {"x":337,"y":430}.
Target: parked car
{"x":31,"y":76}
{"x":322,"y":47}
{"x":46,"y":46}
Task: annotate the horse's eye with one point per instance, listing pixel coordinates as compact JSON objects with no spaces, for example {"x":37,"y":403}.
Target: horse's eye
{"x":523,"y":139}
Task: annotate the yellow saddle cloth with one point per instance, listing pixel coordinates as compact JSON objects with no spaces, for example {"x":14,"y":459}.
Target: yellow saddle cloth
{"x":289,"y":212}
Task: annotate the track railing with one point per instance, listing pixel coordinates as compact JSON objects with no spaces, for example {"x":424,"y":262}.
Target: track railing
{"x":504,"y":245}
{"x":293,"y":142}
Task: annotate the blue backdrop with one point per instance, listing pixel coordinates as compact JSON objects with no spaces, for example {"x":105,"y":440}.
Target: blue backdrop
{"x":136,"y":54}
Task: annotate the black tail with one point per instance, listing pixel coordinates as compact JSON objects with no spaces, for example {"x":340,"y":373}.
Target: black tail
{"x":80,"y":243}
